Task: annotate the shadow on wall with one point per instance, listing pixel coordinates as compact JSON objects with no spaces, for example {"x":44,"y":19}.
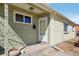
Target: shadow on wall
{"x":13,"y":39}
{"x":2,"y":50}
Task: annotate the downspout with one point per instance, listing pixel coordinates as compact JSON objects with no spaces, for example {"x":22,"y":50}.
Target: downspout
{"x":59,"y":49}
{"x":54,"y":46}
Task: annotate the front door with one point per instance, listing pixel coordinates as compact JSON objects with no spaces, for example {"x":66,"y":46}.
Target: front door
{"x":42,"y":29}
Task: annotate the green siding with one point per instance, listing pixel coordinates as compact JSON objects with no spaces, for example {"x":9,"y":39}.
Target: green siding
{"x":1,"y":27}
{"x":25,"y":31}
{"x":1,"y":10}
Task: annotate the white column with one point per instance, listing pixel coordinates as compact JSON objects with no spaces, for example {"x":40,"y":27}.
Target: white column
{"x":6,"y":29}
{"x":51,"y":29}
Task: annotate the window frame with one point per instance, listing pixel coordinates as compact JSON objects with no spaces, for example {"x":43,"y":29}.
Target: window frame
{"x":65,"y":32}
{"x":24,"y":14}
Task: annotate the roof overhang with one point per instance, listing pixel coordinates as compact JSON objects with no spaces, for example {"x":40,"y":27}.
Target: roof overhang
{"x":64,"y":19}
{"x":42,"y":8}
{"x":32,"y":7}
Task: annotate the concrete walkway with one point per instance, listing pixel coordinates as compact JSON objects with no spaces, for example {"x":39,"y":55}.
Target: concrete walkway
{"x":37,"y":49}
{"x":43,"y":49}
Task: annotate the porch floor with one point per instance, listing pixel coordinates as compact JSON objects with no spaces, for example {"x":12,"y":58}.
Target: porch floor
{"x":43,"y":49}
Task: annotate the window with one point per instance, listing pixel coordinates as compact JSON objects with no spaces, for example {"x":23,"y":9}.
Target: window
{"x":22,"y":18}
{"x":27,"y":19}
{"x":19,"y":18}
{"x":65,"y":28}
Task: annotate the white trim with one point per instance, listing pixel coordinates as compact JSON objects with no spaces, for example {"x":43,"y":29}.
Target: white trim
{"x":6,"y":29}
{"x":45,"y":18}
{"x":24,"y":14}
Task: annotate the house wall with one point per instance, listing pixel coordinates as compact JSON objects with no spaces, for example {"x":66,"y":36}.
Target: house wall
{"x":57,"y":32}
{"x":70,"y":34}
{"x":11,"y":41}
{"x":77,"y":28}
{"x":1,"y":27}
{"x":30,"y":35}
{"x":25,"y":31}
{"x":1,"y":10}
{"x":59,"y":35}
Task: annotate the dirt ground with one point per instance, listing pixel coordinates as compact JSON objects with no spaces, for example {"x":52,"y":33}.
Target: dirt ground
{"x":68,"y":46}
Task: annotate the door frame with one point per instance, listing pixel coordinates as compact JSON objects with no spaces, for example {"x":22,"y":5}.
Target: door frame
{"x":46,"y":19}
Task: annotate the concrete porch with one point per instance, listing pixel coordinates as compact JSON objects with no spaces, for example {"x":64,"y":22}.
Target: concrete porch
{"x":43,"y":49}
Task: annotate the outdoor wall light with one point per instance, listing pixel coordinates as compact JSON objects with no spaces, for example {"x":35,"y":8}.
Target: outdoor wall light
{"x":31,"y":8}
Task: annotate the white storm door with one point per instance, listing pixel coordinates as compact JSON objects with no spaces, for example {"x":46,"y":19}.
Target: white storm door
{"x":43,"y":30}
